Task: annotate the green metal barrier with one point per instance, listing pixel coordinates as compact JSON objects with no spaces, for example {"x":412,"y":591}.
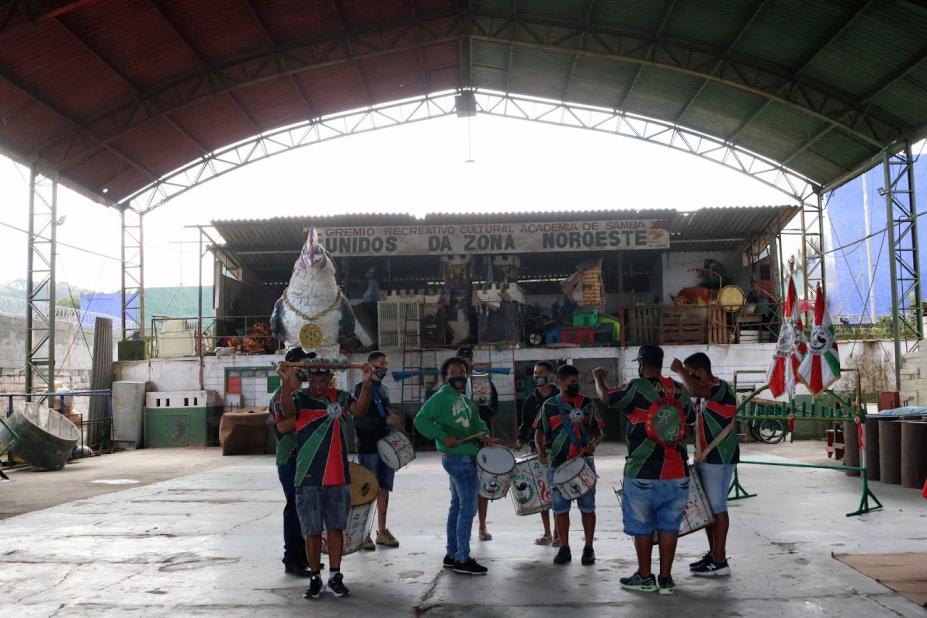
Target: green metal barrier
{"x":789,"y":411}
{"x":864,"y":507}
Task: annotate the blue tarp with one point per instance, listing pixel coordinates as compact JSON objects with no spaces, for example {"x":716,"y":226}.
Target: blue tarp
{"x":854,"y":290}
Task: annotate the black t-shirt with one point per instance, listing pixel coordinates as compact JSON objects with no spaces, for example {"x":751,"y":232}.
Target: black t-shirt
{"x":371,"y":426}
{"x":529,"y":412}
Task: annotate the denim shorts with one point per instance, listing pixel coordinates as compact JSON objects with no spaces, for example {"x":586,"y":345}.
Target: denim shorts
{"x":560,"y":505}
{"x":650,"y":504}
{"x":324,"y":506}
{"x":716,"y":480}
{"x":374,"y":463}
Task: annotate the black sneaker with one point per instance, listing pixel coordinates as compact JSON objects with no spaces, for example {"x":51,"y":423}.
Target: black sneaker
{"x":642,"y":584}
{"x":588,"y":555}
{"x":712,"y":569}
{"x":296,"y":568}
{"x":336,"y":585}
{"x":700,"y":562}
{"x":667,"y":585}
{"x":470,"y":567}
{"x":449,"y":561}
{"x":563,"y":556}
{"x":314,"y":589}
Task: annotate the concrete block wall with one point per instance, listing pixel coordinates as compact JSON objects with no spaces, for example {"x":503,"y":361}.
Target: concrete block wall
{"x":72,"y":356}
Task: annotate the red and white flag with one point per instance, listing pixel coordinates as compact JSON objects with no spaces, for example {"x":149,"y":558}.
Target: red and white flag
{"x":821,"y":365}
{"x":783,"y":369}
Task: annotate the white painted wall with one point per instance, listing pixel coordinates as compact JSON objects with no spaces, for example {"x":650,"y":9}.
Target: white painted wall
{"x":676,"y":265}
{"x":183,"y":374}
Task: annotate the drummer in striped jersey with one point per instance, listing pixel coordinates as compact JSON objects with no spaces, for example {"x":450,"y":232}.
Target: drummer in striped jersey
{"x":716,"y":456}
{"x":323,"y":483}
{"x":656,"y":471}
{"x":568,"y":427}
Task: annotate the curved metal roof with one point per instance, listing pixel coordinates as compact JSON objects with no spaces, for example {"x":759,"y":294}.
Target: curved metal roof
{"x":114,"y":94}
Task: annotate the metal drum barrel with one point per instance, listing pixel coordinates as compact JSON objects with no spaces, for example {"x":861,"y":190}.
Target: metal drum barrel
{"x":46,"y":437}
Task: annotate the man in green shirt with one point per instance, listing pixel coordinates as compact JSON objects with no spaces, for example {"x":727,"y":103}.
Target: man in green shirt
{"x":450,"y":418}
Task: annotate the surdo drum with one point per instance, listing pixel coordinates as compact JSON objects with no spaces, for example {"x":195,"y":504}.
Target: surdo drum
{"x":574,"y":478}
{"x":698,"y":511}
{"x":481,"y":389}
{"x":494,"y":465}
{"x":396,"y":450}
{"x":364,"y":491}
{"x":529,"y":490}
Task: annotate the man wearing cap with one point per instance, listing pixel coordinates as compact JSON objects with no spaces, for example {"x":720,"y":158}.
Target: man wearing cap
{"x":656,"y":472}
{"x":322,"y":479}
{"x":487,"y":413}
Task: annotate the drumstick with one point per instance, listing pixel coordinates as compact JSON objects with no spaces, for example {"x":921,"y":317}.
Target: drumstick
{"x":476,"y":435}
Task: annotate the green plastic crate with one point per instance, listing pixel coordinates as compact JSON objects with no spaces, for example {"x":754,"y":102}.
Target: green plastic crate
{"x":585,"y":318}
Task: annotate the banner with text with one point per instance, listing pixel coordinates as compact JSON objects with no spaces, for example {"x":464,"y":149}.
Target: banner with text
{"x":455,"y":239}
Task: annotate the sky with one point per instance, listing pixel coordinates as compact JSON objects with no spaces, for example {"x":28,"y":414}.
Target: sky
{"x":417,"y":168}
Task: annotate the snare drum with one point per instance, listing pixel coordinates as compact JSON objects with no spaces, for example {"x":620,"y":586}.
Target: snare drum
{"x":494,"y":465}
{"x":698,"y":511}
{"x":574,"y":478}
{"x":530,"y":491}
{"x":364,"y":491}
{"x":396,"y":450}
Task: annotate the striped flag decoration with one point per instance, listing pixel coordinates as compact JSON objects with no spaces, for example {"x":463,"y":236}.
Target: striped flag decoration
{"x":782,"y":374}
{"x":821,"y":365}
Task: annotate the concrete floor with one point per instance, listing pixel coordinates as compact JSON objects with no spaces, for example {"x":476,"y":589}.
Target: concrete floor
{"x":209,"y":544}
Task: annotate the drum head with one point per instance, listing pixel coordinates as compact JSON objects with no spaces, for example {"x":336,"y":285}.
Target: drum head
{"x":666,"y":422}
{"x":388,"y":453}
{"x":495,"y":459}
{"x":731,"y":298}
{"x":364,"y":486}
{"x":568,"y":470}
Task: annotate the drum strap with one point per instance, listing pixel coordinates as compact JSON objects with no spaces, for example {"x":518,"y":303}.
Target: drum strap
{"x":701,"y":455}
{"x":567,"y":423}
{"x":378,"y":400}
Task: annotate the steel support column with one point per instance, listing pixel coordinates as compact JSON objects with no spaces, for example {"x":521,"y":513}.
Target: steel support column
{"x":812,"y":245}
{"x":133,"y":274}
{"x":40,"y":282}
{"x":904,"y":265}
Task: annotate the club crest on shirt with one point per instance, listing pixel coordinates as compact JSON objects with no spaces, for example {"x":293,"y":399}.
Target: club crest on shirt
{"x":335,"y":410}
{"x":576,"y":415}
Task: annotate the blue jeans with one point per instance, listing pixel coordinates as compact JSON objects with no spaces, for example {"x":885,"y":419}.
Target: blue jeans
{"x":716,"y":481}
{"x":650,"y":504}
{"x":465,"y":488}
{"x":294,"y":549}
{"x":375,"y":464}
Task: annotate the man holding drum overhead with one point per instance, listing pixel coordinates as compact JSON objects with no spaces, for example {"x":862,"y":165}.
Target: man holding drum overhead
{"x":569,"y":424}
{"x":323,"y":483}
{"x":373,"y":424}
{"x":656,"y":471}
{"x":450,"y":418}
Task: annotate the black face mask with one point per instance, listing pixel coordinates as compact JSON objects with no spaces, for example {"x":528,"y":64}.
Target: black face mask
{"x":458,"y":383}
{"x":572,"y":390}
{"x":541,"y":381}
{"x":380,"y":372}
